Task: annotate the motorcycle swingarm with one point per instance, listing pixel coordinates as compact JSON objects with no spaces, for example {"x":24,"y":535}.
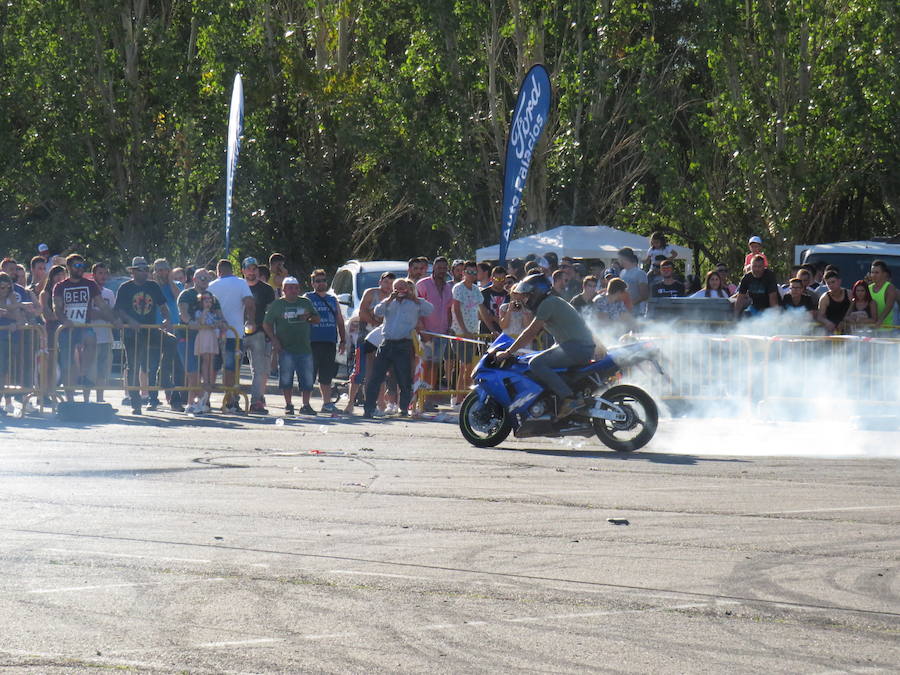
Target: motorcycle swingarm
{"x":612,"y":413}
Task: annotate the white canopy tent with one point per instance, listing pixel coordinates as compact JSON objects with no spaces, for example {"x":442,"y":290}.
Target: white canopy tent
{"x":580,"y":241}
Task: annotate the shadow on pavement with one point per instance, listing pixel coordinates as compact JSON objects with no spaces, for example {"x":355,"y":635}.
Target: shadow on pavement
{"x":652,"y":457}
{"x":117,"y":473}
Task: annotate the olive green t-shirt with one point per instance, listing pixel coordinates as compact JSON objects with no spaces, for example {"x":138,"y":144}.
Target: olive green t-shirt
{"x":290,"y":323}
{"x":563,"y":321}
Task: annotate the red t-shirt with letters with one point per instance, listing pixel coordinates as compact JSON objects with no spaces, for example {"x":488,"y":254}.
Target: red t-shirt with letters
{"x":74,"y":298}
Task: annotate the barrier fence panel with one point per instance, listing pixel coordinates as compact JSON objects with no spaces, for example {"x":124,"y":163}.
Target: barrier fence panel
{"x":23,"y":359}
{"x":443,"y":367}
{"x":701,"y":367}
{"x":150,"y":358}
{"x":751,"y":370}
{"x":852,"y":368}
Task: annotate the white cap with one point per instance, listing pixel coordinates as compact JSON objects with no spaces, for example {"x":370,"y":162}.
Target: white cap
{"x":289,"y":281}
{"x":43,"y":247}
{"x":755,"y":240}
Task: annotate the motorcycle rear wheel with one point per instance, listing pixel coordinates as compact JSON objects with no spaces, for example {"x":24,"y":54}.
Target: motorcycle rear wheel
{"x":484,"y":425}
{"x":636,"y":431}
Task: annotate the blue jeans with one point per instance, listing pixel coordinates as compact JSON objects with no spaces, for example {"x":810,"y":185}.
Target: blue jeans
{"x":560,"y":355}
{"x":186,"y":340}
{"x":301,"y":364}
{"x":397,"y":356}
{"x":229,"y":355}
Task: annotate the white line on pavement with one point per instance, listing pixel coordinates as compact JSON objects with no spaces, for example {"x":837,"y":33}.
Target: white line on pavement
{"x":75,"y":589}
{"x":611,"y":612}
{"x":887,"y":507}
{"x":239,"y":643}
{"x":125,"y":555}
{"x":376,"y":574}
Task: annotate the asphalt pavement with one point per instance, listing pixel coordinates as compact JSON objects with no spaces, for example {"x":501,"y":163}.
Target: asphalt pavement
{"x":165,"y":543}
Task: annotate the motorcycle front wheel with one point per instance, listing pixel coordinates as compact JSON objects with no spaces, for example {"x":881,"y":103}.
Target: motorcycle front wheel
{"x":641,"y":419}
{"x":483,"y":424}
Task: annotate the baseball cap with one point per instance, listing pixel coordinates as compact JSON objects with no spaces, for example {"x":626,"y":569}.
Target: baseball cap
{"x":609,"y":273}
{"x":755,"y":240}
{"x":138,"y":262}
{"x":290,"y":281}
{"x":458,"y":261}
{"x":42,"y":248}
{"x":161,"y":264}
{"x":249,"y":261}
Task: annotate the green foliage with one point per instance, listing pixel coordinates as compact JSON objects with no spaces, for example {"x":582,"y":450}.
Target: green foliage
{"x":378,"y":127}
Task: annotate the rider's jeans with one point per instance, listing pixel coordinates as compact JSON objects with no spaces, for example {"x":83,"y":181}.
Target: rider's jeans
{"x":560,"y":355}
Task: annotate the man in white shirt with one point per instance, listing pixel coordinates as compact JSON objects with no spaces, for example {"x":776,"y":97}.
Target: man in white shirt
{"x":238,"y":307}
{"x":103,"y":363}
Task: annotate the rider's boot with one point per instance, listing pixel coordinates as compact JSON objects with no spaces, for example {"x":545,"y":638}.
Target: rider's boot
{"x":569,"y":406}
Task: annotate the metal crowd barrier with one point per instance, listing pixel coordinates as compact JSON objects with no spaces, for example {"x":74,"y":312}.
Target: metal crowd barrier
{"x":749,"y":370}
{"x":704,"y":367}
{"x":163,"y":354}
{"x":439,"y":378}
{"x":23,"y":363}
{"x":859,"y":369}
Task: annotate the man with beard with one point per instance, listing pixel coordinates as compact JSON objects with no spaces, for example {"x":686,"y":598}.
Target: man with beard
{"x":76,"y":301}
{"x":254,"y":340}
{"x":136,"y":303}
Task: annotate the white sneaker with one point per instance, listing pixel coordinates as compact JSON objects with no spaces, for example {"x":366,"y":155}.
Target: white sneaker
{"x":392,"y":409}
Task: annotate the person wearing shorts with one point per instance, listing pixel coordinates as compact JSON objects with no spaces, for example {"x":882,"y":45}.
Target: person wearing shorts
{"x":187,"y":337}
{"x":324,"y":336}
{"x":103,"y":334}
{"x":287,"y":323}
{"x":76,"y":301}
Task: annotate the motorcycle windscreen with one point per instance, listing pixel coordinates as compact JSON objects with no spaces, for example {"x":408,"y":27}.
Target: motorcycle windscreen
{"x":502,"y":342}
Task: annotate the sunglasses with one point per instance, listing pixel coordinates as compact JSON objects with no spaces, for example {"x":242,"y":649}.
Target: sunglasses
{"x":320,"y":281}
{"x":471,"y":272}
{"x":78,"y":265}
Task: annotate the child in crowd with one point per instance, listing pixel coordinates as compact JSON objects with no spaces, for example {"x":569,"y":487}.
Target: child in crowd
{"x":755,"y":244}
{"x":659,"y":247}
{"x":206,"y":346}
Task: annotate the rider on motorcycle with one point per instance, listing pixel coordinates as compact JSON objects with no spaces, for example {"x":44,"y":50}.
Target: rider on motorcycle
{"x":574,"y":340}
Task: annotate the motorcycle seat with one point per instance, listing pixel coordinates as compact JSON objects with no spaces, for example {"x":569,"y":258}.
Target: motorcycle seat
{"x":591,"y":367}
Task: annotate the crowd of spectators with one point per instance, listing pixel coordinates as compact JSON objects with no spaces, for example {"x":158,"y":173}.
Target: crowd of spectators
{"x":198,"y":323}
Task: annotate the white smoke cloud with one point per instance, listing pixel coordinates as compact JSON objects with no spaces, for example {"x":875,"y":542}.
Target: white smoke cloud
{"x":767,"y":386}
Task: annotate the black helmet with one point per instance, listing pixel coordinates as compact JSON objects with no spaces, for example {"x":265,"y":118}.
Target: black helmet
{"x":536,"y":287}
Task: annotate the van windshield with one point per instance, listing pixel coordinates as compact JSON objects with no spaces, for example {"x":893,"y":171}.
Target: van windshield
{"x":367,"y":280}
{"x":855,"y":266}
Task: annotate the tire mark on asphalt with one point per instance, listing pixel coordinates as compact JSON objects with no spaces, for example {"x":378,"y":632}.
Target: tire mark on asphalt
{"x":489,"y":573}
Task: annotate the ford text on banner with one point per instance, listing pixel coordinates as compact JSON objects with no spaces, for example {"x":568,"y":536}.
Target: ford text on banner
{"x":529,"y":118}
{"x":235,"y":127}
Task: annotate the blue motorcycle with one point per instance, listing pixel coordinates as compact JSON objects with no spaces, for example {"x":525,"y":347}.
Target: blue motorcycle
{"x":505,"y":399}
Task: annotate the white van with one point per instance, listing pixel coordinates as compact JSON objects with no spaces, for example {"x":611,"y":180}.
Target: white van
{"x":354,"y":277}
{"x":852,"y":258}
